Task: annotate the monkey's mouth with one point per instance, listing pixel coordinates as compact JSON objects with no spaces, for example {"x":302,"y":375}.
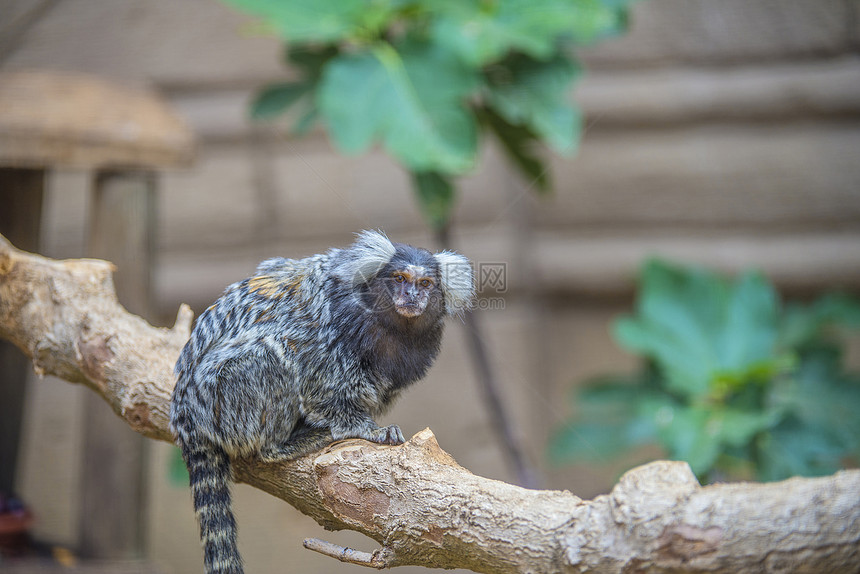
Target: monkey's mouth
{"x":408,"y":309}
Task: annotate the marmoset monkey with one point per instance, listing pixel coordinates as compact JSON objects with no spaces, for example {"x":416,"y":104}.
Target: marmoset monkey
{"x":302,"y":353}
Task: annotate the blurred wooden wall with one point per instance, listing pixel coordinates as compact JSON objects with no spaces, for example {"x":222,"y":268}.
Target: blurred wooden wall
{"x":725,"y":133}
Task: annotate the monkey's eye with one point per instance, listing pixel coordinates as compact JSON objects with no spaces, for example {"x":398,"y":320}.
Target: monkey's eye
{"x":426,"y":283}
{"x":399,"y":278}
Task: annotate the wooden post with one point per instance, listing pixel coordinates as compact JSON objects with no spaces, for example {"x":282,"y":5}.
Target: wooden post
{"x":112,"y":524}
{"x":62,"y":119}
{"x":21,"y":195}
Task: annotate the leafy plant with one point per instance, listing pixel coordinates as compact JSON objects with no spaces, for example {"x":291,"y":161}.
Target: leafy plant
{"x":733,"y":383}
{"x":427,"y":78}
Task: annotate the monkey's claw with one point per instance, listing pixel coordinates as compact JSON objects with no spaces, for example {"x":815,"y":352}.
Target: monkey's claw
{"x":389,"y":435}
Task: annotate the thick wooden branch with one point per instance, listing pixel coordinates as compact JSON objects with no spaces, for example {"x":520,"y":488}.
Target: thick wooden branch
{"x":414,"y":499}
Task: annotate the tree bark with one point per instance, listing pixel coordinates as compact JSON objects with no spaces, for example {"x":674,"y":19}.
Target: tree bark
{"x":414,"y":499}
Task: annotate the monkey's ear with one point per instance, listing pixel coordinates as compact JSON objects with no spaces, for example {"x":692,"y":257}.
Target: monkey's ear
{"x":361,"y":261}
{"x":458,"y":282}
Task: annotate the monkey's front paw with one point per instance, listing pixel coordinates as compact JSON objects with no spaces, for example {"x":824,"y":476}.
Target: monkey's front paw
{"x":388,"y":435}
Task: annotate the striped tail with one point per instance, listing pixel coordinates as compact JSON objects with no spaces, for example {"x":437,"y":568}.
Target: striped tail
{"x":211,"y":477}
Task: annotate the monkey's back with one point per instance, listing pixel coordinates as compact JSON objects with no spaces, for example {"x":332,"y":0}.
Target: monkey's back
{"x":269,"y":320}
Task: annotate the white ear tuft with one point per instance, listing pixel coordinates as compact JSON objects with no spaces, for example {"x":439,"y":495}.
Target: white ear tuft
{"x":361,"y":261}
{"x":458,"y":282}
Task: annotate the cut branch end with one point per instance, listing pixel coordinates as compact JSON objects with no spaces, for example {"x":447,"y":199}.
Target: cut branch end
{"x":379,"y":559}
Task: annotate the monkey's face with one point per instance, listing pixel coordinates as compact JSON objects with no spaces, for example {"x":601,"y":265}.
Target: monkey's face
{"x":411,"y":288}
{"x":407,"y":291}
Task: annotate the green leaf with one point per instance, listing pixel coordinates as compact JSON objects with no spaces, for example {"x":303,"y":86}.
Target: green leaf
{"x":177,"y":472}
{"x":700,"y":434}
{"x":534,"y":93}
{"x":820,"y":427}
{"x":707,"y":334}
{"x":275,"y":99}
{"x":521,"y":147}
{"x":683,"y":361}
{"x":839,"y":309}
{"x":609,"y":395}
{"x":748,"y":333}
{"x":310,"y":59}
{"x":435,"y":197}
{"x":795,"y":449}
{"x":410,"y":98}
{"x":737,"y":428}
{"x":804,"y":325}
{"x":588,"y":441}
{"x":305,"y":122}
{"x":688,"y":437}
{"x":315,"y":21}
{"x":822,"y":398}
{"x":482,"y":32}
{"x":608,"y":423}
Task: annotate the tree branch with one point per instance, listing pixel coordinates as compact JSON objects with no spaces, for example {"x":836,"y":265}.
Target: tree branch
{"x":414,"y":499}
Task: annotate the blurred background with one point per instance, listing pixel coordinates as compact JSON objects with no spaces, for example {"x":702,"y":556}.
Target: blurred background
{"x":723,"y":134}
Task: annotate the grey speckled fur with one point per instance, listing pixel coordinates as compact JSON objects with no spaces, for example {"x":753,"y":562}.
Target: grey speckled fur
{"x":302,"y":353}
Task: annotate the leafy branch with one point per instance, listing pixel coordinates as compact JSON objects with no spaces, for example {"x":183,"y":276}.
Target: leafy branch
{"x":426,"y":79}
{"x":734,"y":383}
